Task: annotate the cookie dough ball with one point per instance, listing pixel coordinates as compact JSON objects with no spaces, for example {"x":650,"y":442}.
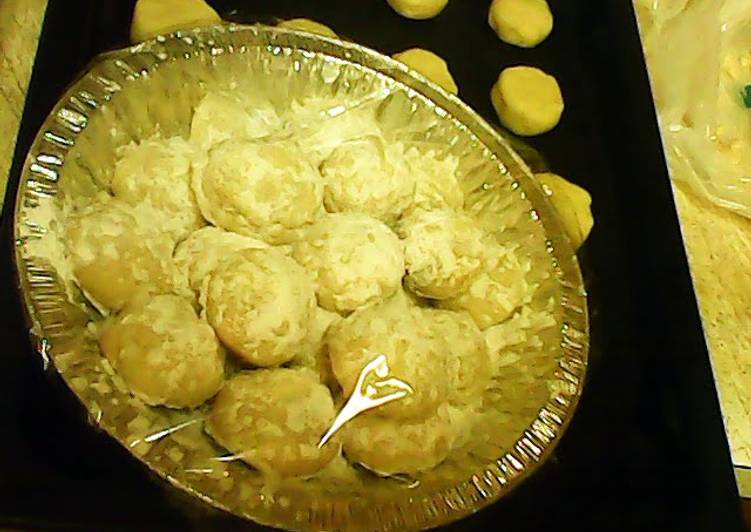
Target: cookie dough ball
{"x":260,"y":303}
{"x":356,"y":260}
{"x":395,"y":329}
{"x":573,"y":204}
{"x":418,"y":9}
{"x":273,"y":419}
{"x":223,"y":116}
{"x":320,"y":126}
{"x":528,"y":101}
{"x":307,"y":25}
{"x":156,"y":17}
{"x":443,"y":251}
{"x":164,"y":352}
{"x":157,"y":172}
{"x":117,"y":251}
{"x":198,"y":255}
{"x":429,"y":65}
{"x":260,"y":190}
{"x":359,"y":177}
{"x":467,"y":356}
{"x":436,"y":184}
{"x":314,"y":354}
{"x":524,"y":23}
{"x":390,"y":446}
{"x":494,"y":295}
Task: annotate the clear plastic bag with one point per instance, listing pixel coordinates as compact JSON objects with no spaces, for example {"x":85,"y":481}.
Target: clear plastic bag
{"x":700,"y":62}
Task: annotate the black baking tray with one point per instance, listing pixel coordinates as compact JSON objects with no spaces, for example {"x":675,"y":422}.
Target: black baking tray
{"x":646,"y":449}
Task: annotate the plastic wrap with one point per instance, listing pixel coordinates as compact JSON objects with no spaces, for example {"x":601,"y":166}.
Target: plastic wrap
{"x":535,"y":359}
{"x":700,"y":58}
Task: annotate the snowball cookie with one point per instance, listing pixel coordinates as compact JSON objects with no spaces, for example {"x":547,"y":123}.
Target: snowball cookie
{"x":273,"y":419}
{"x":397,"y":330}
{"x":156,"y":17}
{"x":429,"y":65}
{"x":528,"y":101}
{"x":573,"y":204}
{"x":260,"y":303}
{"x":391,"y":446}
{"x":358,"y":176}
{"x":524,"y":23}
{"x":157,"y":171}
{"x":224,"y":116}
{"x":436,"y":184}
{"x":259,"y":190}
{"x":443,"y":251}
{"x":310,"y":26}
{"x":467,"y":356}
{"x":495,"y":294}
{"x":198,"y":255}
{"x":418,"y":9}
{"x":314,"y":354}
{"x":355,"y":259}
{"x":164,"y":352}
{"x":117,"y":251}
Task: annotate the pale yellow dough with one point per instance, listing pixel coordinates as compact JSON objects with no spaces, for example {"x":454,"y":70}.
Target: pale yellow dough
{"x":118,"y":251}
{"x":528,"y":101}
{"x":443,"y":251}
{"x":157,"y":171}
{"x":164,"y":352}
{"x":418,"y":9}
{"x":496,"y":293}
{"x":524,"y":23}
{"x":573,"y":205}
{"x":355,"y":259}
{"x":360,"y":176}
{"x":395,"y":329}
{"x":314,"y":354}
{"x":391,"y":446}
{"x":261,"y":304}
{"x":202,"y":251}
{"x":273,"y":420}
{"x":430,"y":65}
{"x":307,"y":25}
{"x":155,"y":17}
{"x":261,"y":190}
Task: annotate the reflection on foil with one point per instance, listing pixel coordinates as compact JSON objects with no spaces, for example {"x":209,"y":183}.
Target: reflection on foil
{"x":410,"y":482}
{"x":151,"y":438}
{"x":367,"y":394}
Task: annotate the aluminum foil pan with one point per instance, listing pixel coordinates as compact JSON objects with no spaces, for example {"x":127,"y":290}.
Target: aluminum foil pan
{"x":132,"y":93}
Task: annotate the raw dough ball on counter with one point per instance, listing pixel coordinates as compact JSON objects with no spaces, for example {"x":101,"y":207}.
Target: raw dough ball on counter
{"x":223,"y":116}
{"x":524,"y":23}
{"x":443,"y":251}
{"x":314,"y":354}
{"x":436,"y":184}
{"x":117,"y":251}
{"x":310,"y":26}
{"x":395,"y":329}
{"x":261,"y":304}
{"x":495,"y":294}
{"x":430,"y":65}
{"x":467,"y":357}
{"x":260,"y":190}
{"x":528,"y":101}
{"x":155,"y":17}
{"x":158,"y":172}
{"x":390,"y":446}
{"x":360,"y":177}
{"x":273,"y":419}
{"x":418,"y":9}
{"x":198,"y":255}
{"x":164,"y":352}
{"x":573,"y":204}
{"x":355,"y":259}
